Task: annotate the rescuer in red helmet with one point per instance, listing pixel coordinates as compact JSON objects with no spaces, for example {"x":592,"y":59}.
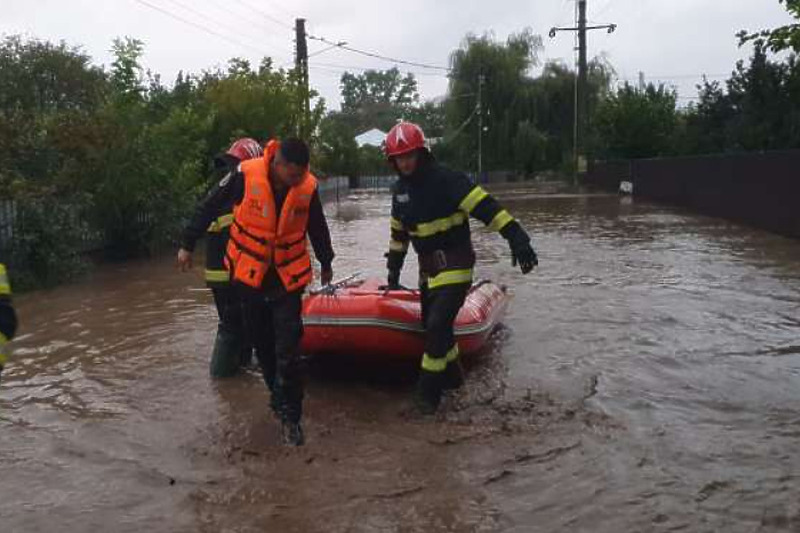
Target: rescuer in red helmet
{"x":8,"y":317}
{"x":431,"y":206}
{"x":231,"y":350}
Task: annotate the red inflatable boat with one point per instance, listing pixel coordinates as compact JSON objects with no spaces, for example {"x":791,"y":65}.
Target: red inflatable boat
{"x":360,"y":319}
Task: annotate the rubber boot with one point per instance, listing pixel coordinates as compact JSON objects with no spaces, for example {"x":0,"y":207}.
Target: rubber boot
{"x":428,"y":394}
{"x":292,"y":433}
{"x":226,"y":355}
{"x":453,"y":376}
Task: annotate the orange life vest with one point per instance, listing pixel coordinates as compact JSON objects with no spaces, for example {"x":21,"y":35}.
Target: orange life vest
{"x":260,"y":240}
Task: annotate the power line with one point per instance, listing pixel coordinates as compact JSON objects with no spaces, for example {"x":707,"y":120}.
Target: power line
{"x":464,"y":124}
{"x":206,"y":18}
{"x":604,"y":8}
{"x":345,"y":68}
{"x":375,"y":55}
{"x":667,"y":77}
{"x":560,"y":17}
{"x":199,"y":26}
{"x":277,"y":7}
{"x":327,"y":72}
{"x":267,"y":16}
{"x":322,"y":50}
{"x":230,"y":13}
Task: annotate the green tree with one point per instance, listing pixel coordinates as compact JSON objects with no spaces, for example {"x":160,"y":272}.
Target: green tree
{"x":529,"y":148}
{"x":377,"y":87}
{"x":766,"y":97}
{"x":706,"y":124}
{"x":39,"y":77}
{"x":758,"y":108}
{"x":552,"y":97}
{"x":780,"y":39}
{"x":504,"y":69}
{"x":45,"y":89}
{"x":377,"y":98}
{"x":430,"y":116}
{"x":126,"y":71}
{"x":337,"y":149}
{"x":260,"y":103}
{"x":633,"y":123}
{"x":372,"y":161}
{"x":118,"y":155}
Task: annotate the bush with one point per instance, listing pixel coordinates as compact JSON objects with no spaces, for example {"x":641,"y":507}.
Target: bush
{"x":47,"y":239}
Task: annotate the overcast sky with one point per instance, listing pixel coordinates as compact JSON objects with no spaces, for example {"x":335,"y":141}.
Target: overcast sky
{"x":672,"y":40}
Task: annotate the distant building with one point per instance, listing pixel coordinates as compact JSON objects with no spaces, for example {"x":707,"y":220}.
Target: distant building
{"x":373,"y":137}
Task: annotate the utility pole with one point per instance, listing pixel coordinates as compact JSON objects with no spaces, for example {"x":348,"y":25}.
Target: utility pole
{"x":479,"y":109}
{"x":582,"y":86}
{"x":583,"y":89}
{"x":301,"y":67}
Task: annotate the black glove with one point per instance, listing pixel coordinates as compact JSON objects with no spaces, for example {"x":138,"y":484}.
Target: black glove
{"x":524,"y":254}
{"x":393,"y":281}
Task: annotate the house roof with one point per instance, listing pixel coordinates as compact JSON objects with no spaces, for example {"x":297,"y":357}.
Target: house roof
{"x":373,"y":137}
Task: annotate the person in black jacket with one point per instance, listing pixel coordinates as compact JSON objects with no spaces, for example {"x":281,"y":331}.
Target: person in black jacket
{"x":232,"y":350}
{"x":431,"y":206}
{"x":270,"y":269}
{"x":8,"y":317}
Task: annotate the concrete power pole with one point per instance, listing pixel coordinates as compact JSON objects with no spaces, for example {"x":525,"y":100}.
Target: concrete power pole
{"x":582,"y":86}
{"x":583,"y":91}
{"x":481,"y":80}
{"x":301,"y":66}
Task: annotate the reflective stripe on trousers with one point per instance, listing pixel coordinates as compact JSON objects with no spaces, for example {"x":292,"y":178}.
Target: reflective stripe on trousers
{"x":3,"y":349}
{"x":433,"y":364}
{"x":5,"y":286}
{"x":450,"y":277}
{"x":217,"y":276}
{"x":440,"y":308}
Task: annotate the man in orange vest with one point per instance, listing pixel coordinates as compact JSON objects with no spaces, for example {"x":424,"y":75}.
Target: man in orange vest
{"x":277,"y":209}
{"x":8,"y":318}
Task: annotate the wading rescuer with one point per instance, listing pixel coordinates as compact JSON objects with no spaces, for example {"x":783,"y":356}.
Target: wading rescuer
{"x":277,"y":210}
{"x":431,"y":206}
{"x":231,"y":347}
{"x":8,"y":318}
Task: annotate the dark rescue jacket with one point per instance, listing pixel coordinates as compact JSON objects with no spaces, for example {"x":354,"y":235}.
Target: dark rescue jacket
{"x":8,"y":318}
{"x":217,"y":236}
{"x":431,"y":210}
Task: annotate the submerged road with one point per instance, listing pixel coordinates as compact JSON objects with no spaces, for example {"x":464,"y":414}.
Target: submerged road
{"x":647,"y":379}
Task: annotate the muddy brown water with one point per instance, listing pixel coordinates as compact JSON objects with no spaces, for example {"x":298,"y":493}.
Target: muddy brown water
{"x":647,"y":379}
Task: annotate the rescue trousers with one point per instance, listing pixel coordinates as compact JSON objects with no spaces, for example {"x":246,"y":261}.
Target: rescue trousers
{"x":440,"y":308}
{"x":231,"y":347}
{"x":275,"y":327}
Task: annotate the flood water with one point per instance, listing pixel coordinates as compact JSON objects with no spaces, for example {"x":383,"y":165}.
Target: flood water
{"x":647,"y":379}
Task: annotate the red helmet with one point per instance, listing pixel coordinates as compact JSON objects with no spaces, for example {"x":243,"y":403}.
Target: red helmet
{"x":404,"y":137}
{"x":245,"y":148}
